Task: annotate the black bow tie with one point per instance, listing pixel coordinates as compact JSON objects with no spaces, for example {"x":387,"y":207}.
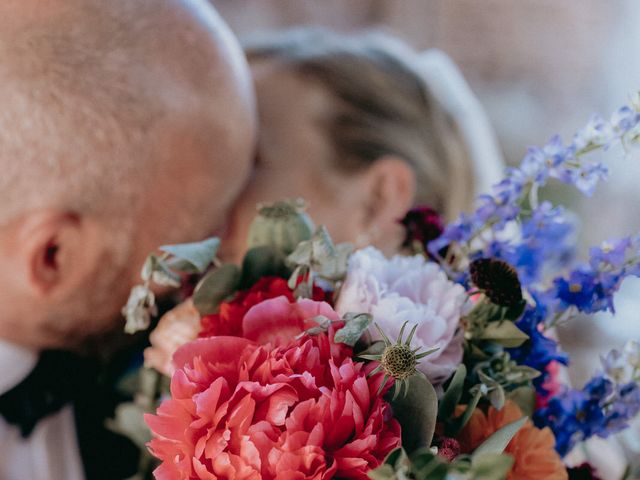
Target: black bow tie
{"x":53,"y":383}
{"x":62,"y":378}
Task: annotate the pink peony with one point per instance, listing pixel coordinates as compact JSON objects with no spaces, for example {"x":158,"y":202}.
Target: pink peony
{"x":408,"y":289}
{"x":249,"y":316}
{"x":291,"y":409}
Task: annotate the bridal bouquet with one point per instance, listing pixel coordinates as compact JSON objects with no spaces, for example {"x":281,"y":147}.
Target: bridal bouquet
{"x":315,"y":361}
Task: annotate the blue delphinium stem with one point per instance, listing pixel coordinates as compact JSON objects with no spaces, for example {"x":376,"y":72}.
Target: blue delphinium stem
{"x":604,"y":406}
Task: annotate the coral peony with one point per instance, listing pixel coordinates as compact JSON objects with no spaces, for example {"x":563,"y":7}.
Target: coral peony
{"x":245,"y":411}
{"x":176,"y":328}
{"x":532,"y":448}
{"x":228,"y":320}
{"x":408,"y":289}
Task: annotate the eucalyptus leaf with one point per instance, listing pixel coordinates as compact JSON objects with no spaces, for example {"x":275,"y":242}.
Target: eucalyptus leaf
{"x":453,"y":394}
{"x":322,"y":321}
{"x":334,"y":268}
{"x":525,"y":398}
{"x":397,"y":458}
{"x":299,"y":271}
{"x":163,"y":275}
{"x":303,"y":291}
{"x":417,"y":412}
{"x":179,"y":265}
{"x":452,"y":427}
{"x":157,"y":269}
{"x":376,"y":348}
{"x":491,"y":466}
{"x":321,"y":256}
{"x":497,"y":397}
{"x":383,"y":472}
{"x":148,"y":267}
{"x":322,"y":245}
{"x":263,"y":261}
{"x":504,"y":333}
{"x":492,"y":389}
{"x":166,"y":278}
{"x":140,"y":307}
{"x":214,"y":287}
{"x":499,"y":440}
{"x":198,"y":254}
{"x":355,"y":325}
{"x":486,"y":312}
{"x":302,"y":255}
{"x":428,"y":465}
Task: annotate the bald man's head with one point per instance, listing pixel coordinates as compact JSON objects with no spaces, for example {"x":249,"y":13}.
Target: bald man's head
{"x":133,"y":114}
{"x":84,"y":85}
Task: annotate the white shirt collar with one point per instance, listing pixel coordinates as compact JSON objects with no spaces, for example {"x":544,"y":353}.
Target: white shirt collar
{"x":16,"y":362}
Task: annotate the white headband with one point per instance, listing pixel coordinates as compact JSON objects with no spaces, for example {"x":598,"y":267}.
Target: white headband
{"x":455,"y":96}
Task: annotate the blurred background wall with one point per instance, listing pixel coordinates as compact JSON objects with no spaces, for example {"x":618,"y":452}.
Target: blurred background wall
{"x":539,"y":67}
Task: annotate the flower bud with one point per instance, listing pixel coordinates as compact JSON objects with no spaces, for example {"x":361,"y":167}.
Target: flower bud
{"x":282,"y":225}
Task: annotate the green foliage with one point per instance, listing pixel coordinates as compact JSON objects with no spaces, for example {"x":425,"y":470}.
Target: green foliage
{"x":355,"y":325}
{"x":504,"y":333}
{"x":263,"y":261}
{"x":498,"y":376}
{"x":417,"y":412}
{"x":424,"y":464}
{"x":215,"y":287}
{"x":318,"y":257}
{"x":453,"y":425}
{"x":498,"y":441}
{"x":525,"y":398}
{"x":453,"y":394}
{"x":193,"y":257}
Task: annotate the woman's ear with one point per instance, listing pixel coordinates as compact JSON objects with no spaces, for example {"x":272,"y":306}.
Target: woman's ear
{"x":391,"y":191}
{"x":58,"y":251}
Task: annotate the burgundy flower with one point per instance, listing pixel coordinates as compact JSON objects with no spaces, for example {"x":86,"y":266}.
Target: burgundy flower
{"x":449,"y":448}
{"x":423,"y":224}
{"x":583,"y":472}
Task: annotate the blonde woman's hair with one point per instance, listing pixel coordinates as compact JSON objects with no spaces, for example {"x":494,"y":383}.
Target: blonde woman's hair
{"x":386,"y":106}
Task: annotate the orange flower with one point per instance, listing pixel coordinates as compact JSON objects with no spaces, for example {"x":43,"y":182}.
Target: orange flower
{"x":532,"y":448}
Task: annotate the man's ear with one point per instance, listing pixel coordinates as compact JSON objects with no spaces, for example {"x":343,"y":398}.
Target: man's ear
{"x":57,"y":252}
{"x":391,"y":192}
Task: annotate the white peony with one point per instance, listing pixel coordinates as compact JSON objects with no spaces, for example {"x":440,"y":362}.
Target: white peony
{"x":408,"y":289}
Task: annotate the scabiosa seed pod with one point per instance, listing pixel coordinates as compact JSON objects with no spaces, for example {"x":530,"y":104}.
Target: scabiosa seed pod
{"x":498,"y":280}
{"x":282,"y":224}
{"x":399,"y":361}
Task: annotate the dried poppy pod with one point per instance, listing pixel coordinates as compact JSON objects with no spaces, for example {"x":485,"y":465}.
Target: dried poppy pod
{"x":282,"y":225}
